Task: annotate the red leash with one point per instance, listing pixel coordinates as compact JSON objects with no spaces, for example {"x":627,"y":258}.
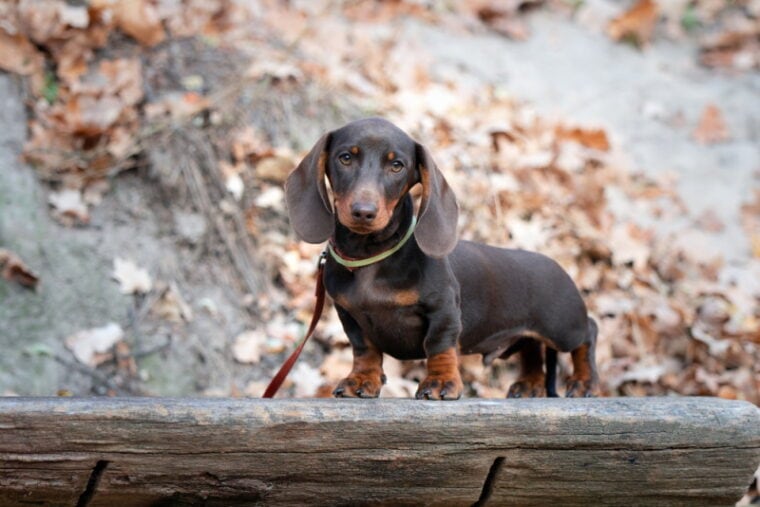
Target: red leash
{"x":279,"y":378}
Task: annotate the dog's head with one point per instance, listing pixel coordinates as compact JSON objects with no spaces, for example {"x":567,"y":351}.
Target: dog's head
{"x":371,"y":165}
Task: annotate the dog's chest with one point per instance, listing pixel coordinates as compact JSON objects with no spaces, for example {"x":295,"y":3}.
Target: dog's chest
{"x":367,"y":290}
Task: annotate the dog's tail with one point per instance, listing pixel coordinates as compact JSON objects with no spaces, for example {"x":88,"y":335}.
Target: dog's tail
{"x":593,"y":330}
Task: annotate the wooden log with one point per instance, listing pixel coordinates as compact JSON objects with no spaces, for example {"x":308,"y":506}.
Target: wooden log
{"x":153,"y":451}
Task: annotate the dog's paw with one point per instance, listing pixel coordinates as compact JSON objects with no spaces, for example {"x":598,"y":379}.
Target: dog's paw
{"x":533,"y":387}
{"x":581,"y":388}
{"x":439,"y":387}
{"x":360,"y":385}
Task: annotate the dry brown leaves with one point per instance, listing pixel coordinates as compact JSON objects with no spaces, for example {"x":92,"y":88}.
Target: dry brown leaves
{"x":729,"y":31}
{"x":636,"y":24}
{"x":87,"y":97}
{"x":712,"y":127}
{"x":738,"y":50}
{"x":503,"y":17}
{"x":15,"y":270}
{"x":673,"y":319}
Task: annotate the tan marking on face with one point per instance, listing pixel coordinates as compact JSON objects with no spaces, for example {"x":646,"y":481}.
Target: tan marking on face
{"x":384,"y":213}
{"x":406,"y":297}
{"x":391,"y":155}
{"x":354,"y":150}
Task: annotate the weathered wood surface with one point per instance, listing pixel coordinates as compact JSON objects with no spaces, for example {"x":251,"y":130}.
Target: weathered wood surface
{"x":146,"y":451}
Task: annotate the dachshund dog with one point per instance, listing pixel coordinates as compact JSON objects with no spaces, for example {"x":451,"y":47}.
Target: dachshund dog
{"x":404,"y":285}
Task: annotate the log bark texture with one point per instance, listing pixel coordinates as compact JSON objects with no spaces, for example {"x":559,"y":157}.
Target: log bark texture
{"x":153,"y":451}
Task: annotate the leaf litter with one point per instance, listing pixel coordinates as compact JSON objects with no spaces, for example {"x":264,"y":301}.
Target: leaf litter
{"x":674,"y":319}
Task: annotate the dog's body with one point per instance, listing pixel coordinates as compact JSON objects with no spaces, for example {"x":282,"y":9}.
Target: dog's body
{"x":435,"y":296}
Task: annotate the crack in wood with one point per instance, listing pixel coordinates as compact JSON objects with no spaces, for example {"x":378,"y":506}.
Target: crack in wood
{"x":488,"y":485}
{"x":92,"y":484}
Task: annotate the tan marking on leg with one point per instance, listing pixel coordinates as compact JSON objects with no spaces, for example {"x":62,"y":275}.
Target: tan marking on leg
{"x":366,"y":377}
{"x":584,"y":381}
{"x":443,"y":381}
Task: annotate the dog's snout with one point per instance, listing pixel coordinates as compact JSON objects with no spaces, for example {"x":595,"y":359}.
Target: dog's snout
{"x":363,"y":211}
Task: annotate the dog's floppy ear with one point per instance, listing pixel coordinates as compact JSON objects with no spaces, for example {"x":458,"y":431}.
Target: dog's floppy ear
{"x":436,"y":231}
{"x":306,"y":194}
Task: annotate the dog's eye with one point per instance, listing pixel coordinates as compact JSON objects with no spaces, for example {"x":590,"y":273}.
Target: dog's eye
{"x":345,"y":158}
{"x":396,"y":166}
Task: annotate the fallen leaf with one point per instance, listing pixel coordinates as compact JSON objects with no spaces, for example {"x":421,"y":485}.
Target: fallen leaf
{"x":19,"y":55}
{"x":528,"y":235}
{"x":710,"y":221}
{"x":13,"y":269}
{"x":171,"y":306}
{"x":630,"y":244}
{"x":305,"y":380}
{"x":139,"y":19}
{"x":70,"y":209}
{"x":734,"y":49}
{"x":88,"y":116}
{"x":89,"y":345}
{"x":272,"y":197}
{"x":503,"y":17}
{"x":176,"y":105}
{"x":133,"y":280}
{"x":248,"y":346}
{"x":75,"y":16}
{"x":590,"y":138}
{"x":255,"y":389}
{"x":645,"y":373}
{"x":232,"y":180}
{"x":248,"y":144}
{"x":275,"y":168}
{"x":712,"y":127}
{"x":637,"y":23}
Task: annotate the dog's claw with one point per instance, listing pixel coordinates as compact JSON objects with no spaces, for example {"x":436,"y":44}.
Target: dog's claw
{"x":581,"y":388}
{"x":440,"y":389}
{"x":528,"y":387}
{"x":359,"y":386}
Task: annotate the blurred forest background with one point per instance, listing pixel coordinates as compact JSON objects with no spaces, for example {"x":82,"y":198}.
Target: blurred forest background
{"x":144,"y":244}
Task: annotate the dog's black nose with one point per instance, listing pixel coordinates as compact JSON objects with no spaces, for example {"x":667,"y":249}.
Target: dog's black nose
{"x":363,"y":211}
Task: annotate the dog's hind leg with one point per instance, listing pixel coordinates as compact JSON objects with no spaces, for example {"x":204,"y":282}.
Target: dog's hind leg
{"x":550,"y":360}
{"x":531,"y":382}
{"x":584,"y":382}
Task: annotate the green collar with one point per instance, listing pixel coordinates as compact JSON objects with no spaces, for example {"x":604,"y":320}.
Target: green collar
{"x":360,"y":263}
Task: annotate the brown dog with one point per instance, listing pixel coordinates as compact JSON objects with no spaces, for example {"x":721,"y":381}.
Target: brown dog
{"x":404,"y":286}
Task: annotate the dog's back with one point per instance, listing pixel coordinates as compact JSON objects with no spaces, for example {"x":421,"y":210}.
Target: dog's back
{"x":508,"y":294}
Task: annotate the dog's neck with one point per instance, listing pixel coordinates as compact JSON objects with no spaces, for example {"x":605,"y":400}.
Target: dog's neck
{"x":360,"y":246}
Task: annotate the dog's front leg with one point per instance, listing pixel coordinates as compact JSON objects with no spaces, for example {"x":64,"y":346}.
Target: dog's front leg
{"x":366,"y":377}
{"x":443,"y":381}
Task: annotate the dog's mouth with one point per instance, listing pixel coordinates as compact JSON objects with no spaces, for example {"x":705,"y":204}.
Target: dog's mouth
{"x":361,"y":228}
{"x":362,"y":225}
